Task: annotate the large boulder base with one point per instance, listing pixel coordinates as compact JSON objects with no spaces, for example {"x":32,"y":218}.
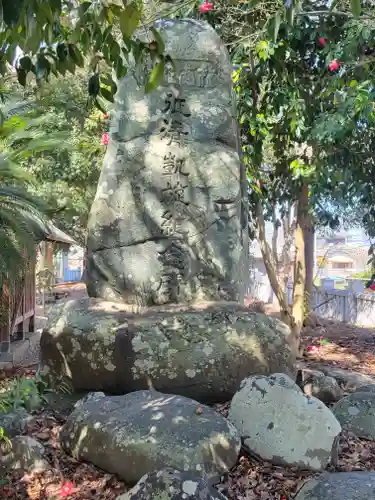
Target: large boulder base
{"x":174,"y":485}
{"x":339,"y":486}
{"x":280,"y":424}
{"x":202,"y":352}
{"x":144,"y":431}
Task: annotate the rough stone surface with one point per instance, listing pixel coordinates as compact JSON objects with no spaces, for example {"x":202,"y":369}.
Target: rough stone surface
{"x":356,"y":413}
{"x":339,"y":486}
{"x":282,"y":425}
{"x":145,"y":431}
{"x":347,"y":379}
{"x":26,"y":454}
{"x":169,"y":484}
{"x":15,"y":423}
{"x":366,"y":388}
{"x":319,"y":385}
{"x":203,"y":353}
{"x":168,"y":222}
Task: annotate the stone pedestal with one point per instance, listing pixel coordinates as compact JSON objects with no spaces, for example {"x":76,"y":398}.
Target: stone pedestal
{"x":202,"y":352}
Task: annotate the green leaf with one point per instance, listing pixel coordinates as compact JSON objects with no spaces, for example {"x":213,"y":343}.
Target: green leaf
{"x":43,"y":67}
{"x":62,"y":51}
{"x":356,"y":7}
{"x":277,"y":23}
{"x":25,"y":63}
{"x":76,"y":55}
{"x":159,"y":40}
{"x":274,"y":27}
{"x":156,"y":77}
{"x":94,"y":85}
{"x":100,"y":104}
{"x":121,"y":69}
{"x":129,"y":20}
{"x":107,"y":94}
{"x":21,"y":77}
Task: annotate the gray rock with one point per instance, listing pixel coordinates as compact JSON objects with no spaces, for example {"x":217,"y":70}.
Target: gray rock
{"x":15,"y":422}
{"x":25,"y":454}
{"x":174,"y":485}
{"x":321,"y":386}
{"x":366,"y":388}
{"x":168,"y":221}
{"x":339,"y":486}
{"x":145,"y":431}
{"x":349,"y":380}
{"x":283,"y":380}
{"x":282,"y":425}
{"x":356,"y":413}
{"x":203,"y":353}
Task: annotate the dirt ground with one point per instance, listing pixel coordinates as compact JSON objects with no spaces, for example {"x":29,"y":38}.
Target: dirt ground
{"x":331,"y":343}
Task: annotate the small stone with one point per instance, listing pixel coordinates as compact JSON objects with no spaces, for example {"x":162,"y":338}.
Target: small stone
{"x":25,"y":454}
{"x":15,"y":423}
{"x":321,"y":386}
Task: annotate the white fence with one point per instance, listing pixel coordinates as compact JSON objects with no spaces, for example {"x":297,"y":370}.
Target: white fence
{"x":351,"y":306}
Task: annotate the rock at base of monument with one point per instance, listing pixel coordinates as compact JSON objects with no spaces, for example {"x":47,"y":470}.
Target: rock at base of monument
{"x":339,"y":486}
{"x":138,"y":433}
{"x":202,"y":352}
{"x":175,"y":485}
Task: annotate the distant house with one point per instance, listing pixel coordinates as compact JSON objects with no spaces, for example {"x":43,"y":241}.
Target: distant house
{"x":338,"y":255}
{"x":341,"y":261}
{"x":342,"y":254}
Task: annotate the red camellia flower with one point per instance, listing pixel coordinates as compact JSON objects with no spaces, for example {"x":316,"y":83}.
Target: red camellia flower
{"x":372,"y":287}
{"x":105,"y":139}
{"x":322,"y":41}
{"x":67,"y":489}
{"x":334,"y":65}
{"x":206,"y":6}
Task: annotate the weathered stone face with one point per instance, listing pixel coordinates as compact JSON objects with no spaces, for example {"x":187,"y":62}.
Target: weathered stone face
{"x":144,"y":431}
{"x":203,"y":353}
{"x":173,"y":485}
{"x":281,"y":425}
{"x":166,"y":223}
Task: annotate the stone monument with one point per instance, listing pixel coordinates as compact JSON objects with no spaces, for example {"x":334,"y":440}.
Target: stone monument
{"x":167,"y":244}
{"x":167,"y":224}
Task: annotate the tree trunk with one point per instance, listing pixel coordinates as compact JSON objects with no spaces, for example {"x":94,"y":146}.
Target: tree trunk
{"x":309,"y":237}
{"x":298,"y":306}
{"x":271,"y":267}
{"x":275,"y":235}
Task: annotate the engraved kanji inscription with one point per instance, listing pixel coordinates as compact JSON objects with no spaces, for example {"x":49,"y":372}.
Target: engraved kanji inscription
{"x":174,"y":131}
{"x":174,"y":191}
{"x":172,"y":224}
{"x":175,"y":105}
{"x":173,"y":165}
